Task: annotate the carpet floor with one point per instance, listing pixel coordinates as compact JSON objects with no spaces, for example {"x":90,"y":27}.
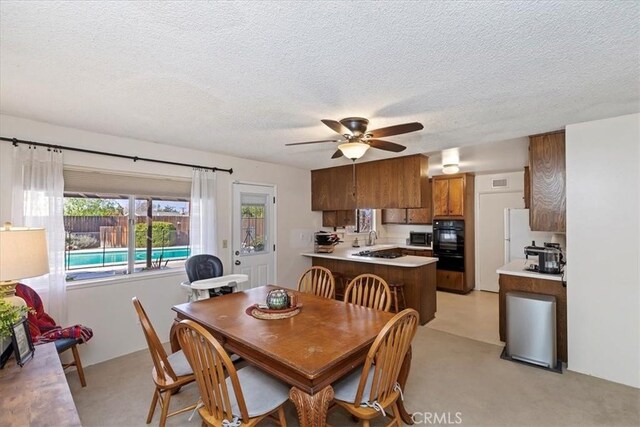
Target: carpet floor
{"x":453,"y":380}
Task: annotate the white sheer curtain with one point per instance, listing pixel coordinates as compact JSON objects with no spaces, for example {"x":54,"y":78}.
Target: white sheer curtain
{"x":203,"y":226}
{"x":38,"y":201}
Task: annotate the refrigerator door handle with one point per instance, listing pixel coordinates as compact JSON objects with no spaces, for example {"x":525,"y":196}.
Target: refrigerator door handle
{"x":507,"y":235}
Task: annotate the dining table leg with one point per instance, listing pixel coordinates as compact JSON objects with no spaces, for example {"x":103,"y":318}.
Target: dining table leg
{"x":402,"y":380}
{"x":312,"y":409}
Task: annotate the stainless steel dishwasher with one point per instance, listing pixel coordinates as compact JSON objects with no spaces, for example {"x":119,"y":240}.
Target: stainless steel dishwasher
{"x":531,"y":329}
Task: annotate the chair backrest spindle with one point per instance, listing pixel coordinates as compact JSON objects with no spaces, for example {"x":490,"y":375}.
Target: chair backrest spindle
{"x":370,"y":291}
{"x":318,"y":281}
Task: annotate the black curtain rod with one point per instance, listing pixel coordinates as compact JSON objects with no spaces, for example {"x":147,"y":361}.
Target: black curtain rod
{"x":16,"y":141}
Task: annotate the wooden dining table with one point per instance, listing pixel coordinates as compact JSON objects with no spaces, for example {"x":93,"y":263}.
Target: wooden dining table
{"x":327,"y":340}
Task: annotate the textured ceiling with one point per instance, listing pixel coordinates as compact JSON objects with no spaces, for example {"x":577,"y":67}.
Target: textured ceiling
{"x":244,"y":78}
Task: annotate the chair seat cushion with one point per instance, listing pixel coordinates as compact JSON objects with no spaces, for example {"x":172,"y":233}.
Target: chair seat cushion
{"x":262,"y":393}
{"x":65,"y":343}
{"x":345,"y":389}
{"x":179,"y":363}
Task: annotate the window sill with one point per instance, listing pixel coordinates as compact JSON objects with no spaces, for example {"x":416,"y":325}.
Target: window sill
{"x":91,"y":283}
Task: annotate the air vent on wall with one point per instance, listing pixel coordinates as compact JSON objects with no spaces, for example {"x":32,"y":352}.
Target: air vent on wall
{"x":499,"y":183}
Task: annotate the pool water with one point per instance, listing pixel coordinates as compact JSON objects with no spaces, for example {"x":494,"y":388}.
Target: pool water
{"x":86,"y":258}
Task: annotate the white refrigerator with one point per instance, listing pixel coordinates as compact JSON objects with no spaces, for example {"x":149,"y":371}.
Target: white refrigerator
{"x":517,"y":234}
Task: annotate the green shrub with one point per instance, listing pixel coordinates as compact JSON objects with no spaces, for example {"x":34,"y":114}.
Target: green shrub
{"x":81,"y":241}
{"x":163,"y":234}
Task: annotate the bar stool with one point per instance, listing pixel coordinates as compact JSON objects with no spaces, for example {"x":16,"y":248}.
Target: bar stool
{"x":341,"y":284}
{"x":397,"y":289}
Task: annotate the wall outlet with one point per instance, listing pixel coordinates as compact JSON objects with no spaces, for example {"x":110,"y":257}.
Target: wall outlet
{"x":225,"y":244}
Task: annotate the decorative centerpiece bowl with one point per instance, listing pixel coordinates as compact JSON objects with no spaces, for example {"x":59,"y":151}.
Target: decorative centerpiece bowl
{"x":278,"y":299}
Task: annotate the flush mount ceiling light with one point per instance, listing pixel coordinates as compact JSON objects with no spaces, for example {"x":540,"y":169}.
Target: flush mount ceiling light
{"x":450,"y":168}
{"x":353,"y":150}
{"x":450,"y":161}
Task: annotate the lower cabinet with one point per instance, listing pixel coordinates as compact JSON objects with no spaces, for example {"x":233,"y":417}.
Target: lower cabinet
{"x":450,"y":280}
{"x":417,"y":252}
{"x":453,"y":281}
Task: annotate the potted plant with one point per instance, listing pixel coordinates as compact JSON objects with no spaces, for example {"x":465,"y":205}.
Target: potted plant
{"x":9,"y":315}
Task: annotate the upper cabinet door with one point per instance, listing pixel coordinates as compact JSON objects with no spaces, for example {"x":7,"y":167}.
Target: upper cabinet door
{"x":548,"y":188}
{"x":394,"y":216}
{"x":419,"y":216}
{"x":440,"y":189}
{"x":456,"y":196}
{"x":332,"y":189}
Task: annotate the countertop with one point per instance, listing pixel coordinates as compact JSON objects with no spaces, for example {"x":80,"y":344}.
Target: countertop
{"x":346,"y":254}
{"x":516,"y":268}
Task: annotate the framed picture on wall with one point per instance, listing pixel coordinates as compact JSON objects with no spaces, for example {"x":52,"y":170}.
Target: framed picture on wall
{"x":22,"y":342}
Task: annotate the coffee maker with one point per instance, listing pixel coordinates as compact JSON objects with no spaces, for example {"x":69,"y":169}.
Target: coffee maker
{"x":550,"y":257}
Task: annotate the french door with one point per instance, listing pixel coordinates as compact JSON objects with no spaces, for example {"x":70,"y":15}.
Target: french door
{"x":254,"y":233}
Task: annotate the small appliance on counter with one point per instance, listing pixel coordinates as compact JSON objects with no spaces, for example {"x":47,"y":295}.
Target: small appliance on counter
{"x":550,"y":258}
{"x":419,"y":238}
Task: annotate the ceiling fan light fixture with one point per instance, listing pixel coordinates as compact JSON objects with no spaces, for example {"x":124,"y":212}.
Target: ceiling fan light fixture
{"x":353,"y":150}
{"x":450,"y":168}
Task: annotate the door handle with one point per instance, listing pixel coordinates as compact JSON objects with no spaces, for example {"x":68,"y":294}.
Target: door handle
{"x":237,"y":262}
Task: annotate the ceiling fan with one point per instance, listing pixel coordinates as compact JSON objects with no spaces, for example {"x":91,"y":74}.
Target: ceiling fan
{"x":356,"y":140}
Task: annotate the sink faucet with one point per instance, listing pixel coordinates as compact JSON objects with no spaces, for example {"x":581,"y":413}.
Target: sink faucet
{"x":372,"y":239}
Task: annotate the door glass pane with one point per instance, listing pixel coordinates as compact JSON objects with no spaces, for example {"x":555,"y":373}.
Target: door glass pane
{"x":253,"y":230}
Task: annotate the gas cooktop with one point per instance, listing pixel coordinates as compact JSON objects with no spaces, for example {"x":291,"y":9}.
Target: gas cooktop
{"x":379,"y":254}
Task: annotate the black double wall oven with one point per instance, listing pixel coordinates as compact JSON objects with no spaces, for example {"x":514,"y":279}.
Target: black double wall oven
{"x":448,"y":244}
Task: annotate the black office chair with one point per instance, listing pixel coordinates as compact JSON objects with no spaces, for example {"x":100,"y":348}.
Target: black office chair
{"x":200,"y":267}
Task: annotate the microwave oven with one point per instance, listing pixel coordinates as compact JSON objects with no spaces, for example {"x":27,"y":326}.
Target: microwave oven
{"x":420,"y":238}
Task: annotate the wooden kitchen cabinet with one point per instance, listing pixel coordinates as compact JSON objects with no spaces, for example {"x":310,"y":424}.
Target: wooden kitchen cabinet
{"x":419,"y":216}
{"x":400,"y":182}
{"x":340,"y":218}
{"x":417,"y":252}
{"x":406,"y":216}
{"x":451,"y":281}
{"x":527,"y":188}
{"x":412,"y":215}
{"x":450,"y":194}
{"x":394,"y":216}
{"x":548,"y":188}
{"x":332,"y":189}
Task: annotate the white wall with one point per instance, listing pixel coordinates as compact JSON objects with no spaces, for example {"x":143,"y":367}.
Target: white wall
{"x":107,"y":308}
{"x":603,"y":235}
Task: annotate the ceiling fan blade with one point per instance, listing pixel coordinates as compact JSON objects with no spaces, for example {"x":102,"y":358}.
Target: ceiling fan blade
{"x":386,"y":145}
{"x":315,"y":142}
{"x":395,"y":130}
{"x":337,"y":127}
{"x":337,"y":154}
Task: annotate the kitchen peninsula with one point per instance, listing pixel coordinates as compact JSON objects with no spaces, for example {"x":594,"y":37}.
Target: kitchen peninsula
{"x":417,"y":273}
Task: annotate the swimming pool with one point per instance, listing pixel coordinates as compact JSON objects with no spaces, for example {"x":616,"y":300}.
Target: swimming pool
{"x":96,"y":257}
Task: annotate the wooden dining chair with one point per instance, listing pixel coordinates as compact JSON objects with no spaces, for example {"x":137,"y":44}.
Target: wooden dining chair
{"x":373,"y":390}
{"x":229,"y":397}
{"x":318,"y":281}
{"x":370,"y":291}
{"x":169,"y":373}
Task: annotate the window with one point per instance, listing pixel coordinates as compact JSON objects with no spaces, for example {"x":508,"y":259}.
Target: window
{"x":112,"y":230}
{"x":365,"y":222}
{"x":112,"y":235}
